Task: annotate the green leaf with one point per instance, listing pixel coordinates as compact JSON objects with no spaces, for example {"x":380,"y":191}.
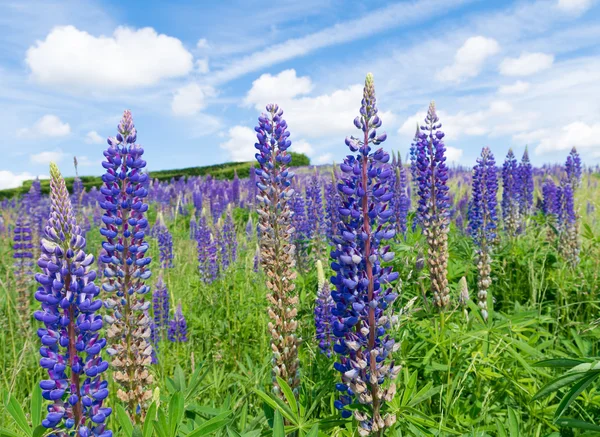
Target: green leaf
{"x":558,"y":362}
{"x":18,"y":415}
{"x":195,"y":382}
{"x":314,"y":431}
{"x":500,"y":428}
{"x":575,"y":391}
{"x":160,"y":425}
{"x":137,"y":432}
{"x":557,"y":384}
{"x":513,"y":423}
{"x":39,"y":431}
{"x":148,"y":424}
{"x":278,"y":428}
{"x":277,"y":405}
{"x":289,"y":395}
{"x":8,"y":433}
{"x":212,"y":425}
{"x":124,"y":420}
{"x":576,"y":423}
{"x":36,"y":405}
{"x":175,"y":412}
{"x":179,"y":379}
{"x":410,"y":387}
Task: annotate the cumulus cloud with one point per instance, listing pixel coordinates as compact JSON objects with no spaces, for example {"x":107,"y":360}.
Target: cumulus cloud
{"x":526,"y":64}
{"x":310,"y":117}
{"x":240,"y":145}
{"x":84,"y":161}
{"x":574,"y":6}
{"x":579,"y":134}
{"x":190,"y":99}
{"x":8,"y":179}
{"x":469,"y":59}
{"x":45,"y":158}
{"x":202,"y":66}
{"x":71,"y":57}
{"x":453,"y":154}
{"x":519,"y":87}
{"x":47,"y":126}
{"x":326,"y":158}
{"x":93,"y":137}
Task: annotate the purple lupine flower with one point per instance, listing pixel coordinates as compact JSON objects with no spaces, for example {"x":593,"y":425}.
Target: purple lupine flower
{"x":483,"y":221}
{"x":573,"y":169}
{"x":525,"y":185}
{"x":165,"y":245}
{"x":228,"y":242}
{"x":193,"y":228}
{"x":314,"y":208}
{"x":274,"y":181}
{"x":71,"y":343}
{"x":362,"y":285}
{"x":549,"y":193}
{"x":511,"y":194}
{"x":207,"y":252}
{"x":324,"y":318}
{"x":414,"y":171}
{"x":332,"y":207}
{"x":301,"y":230}
{"x":78,"y":191}
{"x":197,"y":200}
{"x":235,"y":189}
{"x":160,"y":304}
{"x":567,"y":223}
{"x":127,"y":266}
{"x":23,"y":256}
{"x":249,"y":228}
{"x":434,"y":203}
{"x":177,"y":332}
{"x":400,"y":201}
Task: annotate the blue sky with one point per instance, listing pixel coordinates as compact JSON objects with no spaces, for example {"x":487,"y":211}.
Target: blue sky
{"x":196,"y":74}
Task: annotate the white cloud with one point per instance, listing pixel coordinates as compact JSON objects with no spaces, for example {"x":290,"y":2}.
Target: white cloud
{"x":281,"y":87}
{"x":202,"y":44}
{"x":45,"y":158}
{"x":326,"y":158}
{"x":526,"y":64}
{"x":301,"y":146}
{"x":469,"y":59}
{"x":47,"y":126}
{"x":70,"y":57}
{"x":574,"y":6}
{"x":8,"y":179}
{"x":84,"y":161}
{"x":202,"y":66}
{"x":323,"y":116}
{"x":94,"y":137}
{"x":500,"y":107}
{"x":579,"y":134}
{"x":519,"y":87}
{"x":240,"y":145}
{"x":376,"y":21}
{"x":453,"y":154}
{"x":190,"y":99}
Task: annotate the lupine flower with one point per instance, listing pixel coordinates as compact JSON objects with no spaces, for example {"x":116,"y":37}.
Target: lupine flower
{"x":511,"y":195}
{"x":71,"y":343}
{"x":549,"y":193}
{"x":573,"y":169}
{"x":228,"y":241}
{"x":160,"y":303}
{"x":414,"y":170}
{"x":463,"y":296}
{"x":193,"y":228}
{"x":235,"y":189}
{"x":482,"y":221}
{"x":324,"y":319}
{"x":127,"y":271}
{"x":332,"y":207}
{"x":165,"y":245}
{"x":178,"y":327}
{"x":567,"y":223}
{"x":314,"y":211}
{"x":23,"y":256}
{"x":434,"y":203}
{"x":276,"y":248}
{"x":362,"y":286}
{"x":78,"y":191}
{"x":525,"y":185}
{"x":401,"y":201}
{"x":207,"y":252}
{"x":301,"y":229}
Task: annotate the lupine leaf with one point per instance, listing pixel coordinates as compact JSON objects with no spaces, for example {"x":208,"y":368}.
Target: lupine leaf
{"x":289,"y":395}
{"x":575,"y":391}
{"x":8,"y":433}
{"x":36,"y":405}
{"x":148,"y":424}
{"x":278,"y":428}
{"x":176,"y":411}
{"x":557,"y":384}
{"x":576,"y":423}
{"x":211,"y":425}
{"x":314,"y":431}
{"x":124,"y":421}
{"x":277,"y":406}
{"x":513,"y":423}
{"x":18,"y":415}
{"x":558,"y":362}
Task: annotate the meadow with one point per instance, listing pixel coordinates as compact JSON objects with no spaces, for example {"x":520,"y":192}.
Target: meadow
{"x":473,"y":293}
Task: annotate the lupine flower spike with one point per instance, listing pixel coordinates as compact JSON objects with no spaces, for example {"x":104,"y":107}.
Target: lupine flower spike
{"x":23,"y":256}
{"x":276,"y":248}
{"x":126,"y":272}
{"x":434,"y":203}
{"x":511,"y":195}
{"x":177,"y":332}
{"x":573,"y":169}
{"x":363,"y":289}
{"x":71,"y":342}
{"x":483,"y":221}
{"x":323,"y":316}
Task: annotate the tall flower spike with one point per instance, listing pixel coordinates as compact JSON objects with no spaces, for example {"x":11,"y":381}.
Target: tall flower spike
{"x":23,"y":256}
{"x":511,"y":195}
{"x":401,"y":201}
{"x":573,"y":169}
{"x":124,"y":190}
{"x":363,"y":290}
{"x":178,"y":327}
{"x":567,"y":223}
{"x":71,"y":342}
{"x":526,"y":185}
{"x":324,"y":319}
{"x":483,"y":221}
{"x":276,"y":248}
{"x":434,"y":203}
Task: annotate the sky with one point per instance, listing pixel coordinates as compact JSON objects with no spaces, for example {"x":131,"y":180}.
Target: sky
{"x":197,"y":74}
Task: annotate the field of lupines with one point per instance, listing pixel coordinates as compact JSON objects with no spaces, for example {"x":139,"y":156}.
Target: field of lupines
{"x":368,"y":298}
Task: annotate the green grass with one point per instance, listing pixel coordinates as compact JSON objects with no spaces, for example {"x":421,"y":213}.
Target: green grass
{"x":459,"y":377}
